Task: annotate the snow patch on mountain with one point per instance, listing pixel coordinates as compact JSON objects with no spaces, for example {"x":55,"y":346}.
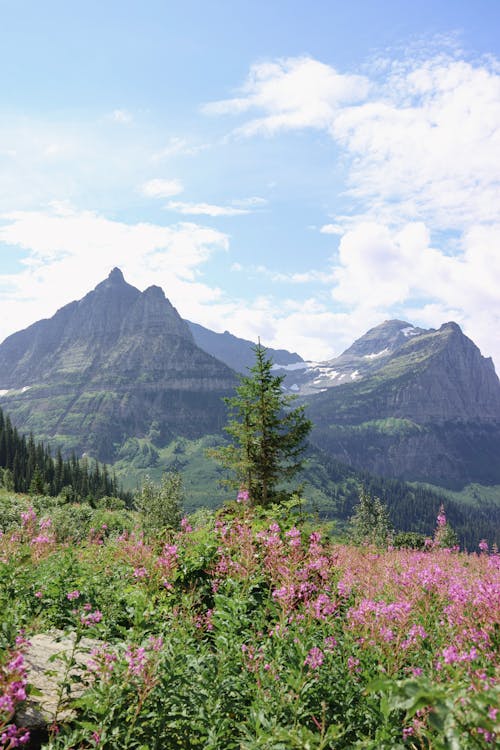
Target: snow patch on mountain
{"x":377,"y":354}
{"x":410,"y":331}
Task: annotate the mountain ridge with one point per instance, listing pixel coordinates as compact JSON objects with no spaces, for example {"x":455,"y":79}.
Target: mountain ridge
{"x":121,"y":364}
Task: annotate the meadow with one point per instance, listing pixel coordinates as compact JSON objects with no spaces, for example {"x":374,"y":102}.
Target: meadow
{"x":248,"y":630}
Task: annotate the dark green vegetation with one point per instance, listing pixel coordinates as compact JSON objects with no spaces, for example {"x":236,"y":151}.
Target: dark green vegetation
{"x":28,"y":466}
{"x":268,"y":436}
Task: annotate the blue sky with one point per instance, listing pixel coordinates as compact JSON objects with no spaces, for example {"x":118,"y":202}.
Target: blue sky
{"x":299,"y":172}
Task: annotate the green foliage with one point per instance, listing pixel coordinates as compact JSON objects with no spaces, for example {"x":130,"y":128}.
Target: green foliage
{"x":370,"y":521}
{"x":408,"y":540}
{"x":268,"y":437}
{"x":251,"y":630}
{"x":161,"y":507}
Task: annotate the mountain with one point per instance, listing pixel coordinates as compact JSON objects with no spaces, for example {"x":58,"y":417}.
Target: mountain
{"x":409,"y":403}
{"x":120,"y":375}
{"x":235,"y":352}
{"x":116,"y":364}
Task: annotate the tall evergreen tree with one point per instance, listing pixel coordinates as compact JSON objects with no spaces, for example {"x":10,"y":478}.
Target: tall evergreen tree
{"x":268,"y":437}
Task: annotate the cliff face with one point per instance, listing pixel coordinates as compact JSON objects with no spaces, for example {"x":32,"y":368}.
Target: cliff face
{"x":423,"y":407}
{"x":116,"y":364}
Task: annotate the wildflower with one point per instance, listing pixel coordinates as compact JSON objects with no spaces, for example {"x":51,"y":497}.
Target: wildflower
{"x":186,"y":526}
{"x":483,"y":545}
{"x":28,"y":517}
{"x":73,"y":595}
{"x":91,"y":618}
{"x":242,"y":496}
{"x":353,"y":664}
{"x":314,"y":658}
{"x":450,"y":655}
{"x":330,"y":643}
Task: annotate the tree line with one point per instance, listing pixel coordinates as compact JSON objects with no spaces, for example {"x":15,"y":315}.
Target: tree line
{"x":28,"y":466}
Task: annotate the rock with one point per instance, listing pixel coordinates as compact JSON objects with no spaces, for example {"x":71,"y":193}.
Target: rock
{"x":48,"y":672}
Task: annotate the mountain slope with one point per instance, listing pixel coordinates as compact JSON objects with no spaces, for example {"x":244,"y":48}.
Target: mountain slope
{"x":235,"y":352}
{"x":116,"y":364}
{"x":423,"y":407}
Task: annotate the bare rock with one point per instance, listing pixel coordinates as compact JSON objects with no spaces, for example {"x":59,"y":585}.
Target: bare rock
{"x":53,"y":662}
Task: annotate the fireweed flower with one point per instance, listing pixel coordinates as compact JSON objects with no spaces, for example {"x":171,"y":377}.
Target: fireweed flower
{"x":314,"y":658}
{"x":91,"y":618}
{"x":73,"y":595}
{"x":186,"y":526}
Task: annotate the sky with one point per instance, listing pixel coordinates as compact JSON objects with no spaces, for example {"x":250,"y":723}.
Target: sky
{"x":298,"y":172}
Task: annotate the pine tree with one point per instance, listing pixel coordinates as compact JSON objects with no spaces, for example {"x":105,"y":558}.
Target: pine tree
{"x":268,"y":436}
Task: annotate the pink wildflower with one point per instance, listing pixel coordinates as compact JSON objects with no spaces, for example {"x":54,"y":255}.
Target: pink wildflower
{"x":186,"y":526}
{"x":73,"y":595}
{"x":91,"y":618}
{"x":353,"y":664}
{"x":314,"y":658}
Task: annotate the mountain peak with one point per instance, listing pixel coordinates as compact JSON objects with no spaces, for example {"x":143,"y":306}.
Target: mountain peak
{"x":116,"y":275}
{"x":155,"y":292}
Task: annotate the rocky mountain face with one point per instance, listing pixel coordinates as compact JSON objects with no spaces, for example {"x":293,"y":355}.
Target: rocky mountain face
{"x":410,"y":403}
{"x":119,"y":372}
{"x":235,"y":352}
{"x":116,"y":364}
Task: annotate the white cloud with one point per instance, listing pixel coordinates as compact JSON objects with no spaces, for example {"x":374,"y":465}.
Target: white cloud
{"x":293,"y":93}
{"x":160,"y":188}
{"x":304,"y":277}
{"x":382,"y":272}
{"x":421,"y":145}
{"x":205,"y":209}
{"x":177,"y":146}
{"x":253,"y":201}
{"x":122,"y":116}
{"x":332,"y":229}
{"x":428,"y":146}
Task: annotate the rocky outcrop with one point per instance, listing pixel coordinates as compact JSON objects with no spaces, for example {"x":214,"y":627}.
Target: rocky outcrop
{"x":53,"y":662}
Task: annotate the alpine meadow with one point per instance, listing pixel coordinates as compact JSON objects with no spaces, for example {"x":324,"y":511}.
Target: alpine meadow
{"x":249,"y":392}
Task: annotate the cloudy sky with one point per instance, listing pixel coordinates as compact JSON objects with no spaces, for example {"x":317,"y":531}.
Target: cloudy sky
{"x":290,"y":170}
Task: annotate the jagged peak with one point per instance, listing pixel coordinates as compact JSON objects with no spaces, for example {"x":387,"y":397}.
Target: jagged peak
{"x":155,"y":291}
{"x":116,"y":275}
{"x":451,"y":325}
